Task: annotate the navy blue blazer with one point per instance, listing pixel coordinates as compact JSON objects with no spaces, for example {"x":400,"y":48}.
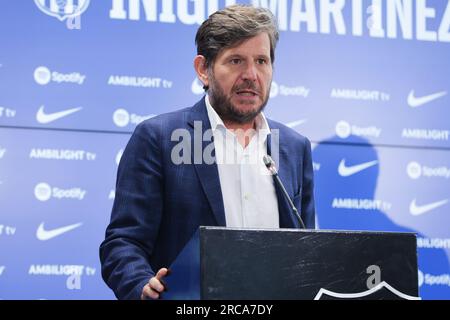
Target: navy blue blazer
{"x":159,"y":205}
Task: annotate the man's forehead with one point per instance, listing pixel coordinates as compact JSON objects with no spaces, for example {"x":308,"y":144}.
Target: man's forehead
{"x":249,"y":45}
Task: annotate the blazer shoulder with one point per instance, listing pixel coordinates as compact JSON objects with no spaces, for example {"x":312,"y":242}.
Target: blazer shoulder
{"x":165,"y":122}
{"x":167,"y":117}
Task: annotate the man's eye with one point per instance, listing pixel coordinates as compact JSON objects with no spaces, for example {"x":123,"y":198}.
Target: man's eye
{"x":262,"y":61}
{"x":235,"y":61}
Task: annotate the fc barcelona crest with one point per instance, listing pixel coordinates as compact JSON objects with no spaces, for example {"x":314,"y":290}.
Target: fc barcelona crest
{"x":62,"y":9}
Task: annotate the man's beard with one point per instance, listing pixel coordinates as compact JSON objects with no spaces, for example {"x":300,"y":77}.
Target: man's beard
{"x":225,"y":108}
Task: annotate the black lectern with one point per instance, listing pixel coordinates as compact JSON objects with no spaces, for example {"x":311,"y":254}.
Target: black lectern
{"x":225,"y":263}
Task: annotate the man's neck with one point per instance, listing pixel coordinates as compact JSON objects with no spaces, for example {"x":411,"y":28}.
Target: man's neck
{"x":243,"y":131}
{"x":233,"y":126}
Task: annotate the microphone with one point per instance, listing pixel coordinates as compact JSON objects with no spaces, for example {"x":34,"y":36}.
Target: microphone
{"x":270,"y":165}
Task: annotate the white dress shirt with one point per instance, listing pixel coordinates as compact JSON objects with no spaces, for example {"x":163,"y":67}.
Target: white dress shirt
{"x":248,"y":189}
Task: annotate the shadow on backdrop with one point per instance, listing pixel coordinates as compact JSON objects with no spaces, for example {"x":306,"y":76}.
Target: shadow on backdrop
{"x":333,"y":185}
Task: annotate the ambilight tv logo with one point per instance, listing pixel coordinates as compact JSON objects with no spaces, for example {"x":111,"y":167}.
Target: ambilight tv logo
{"x":62,"y":9}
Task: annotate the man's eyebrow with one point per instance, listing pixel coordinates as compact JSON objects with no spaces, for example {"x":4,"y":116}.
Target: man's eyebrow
{"x":238,"y":55}
{"x":234,"y":55}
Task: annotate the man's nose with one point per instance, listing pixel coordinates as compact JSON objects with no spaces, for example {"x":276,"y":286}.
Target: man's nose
{"x":250,"y":72}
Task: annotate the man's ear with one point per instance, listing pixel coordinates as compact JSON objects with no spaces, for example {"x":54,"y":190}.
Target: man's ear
{"x":201,"y":69}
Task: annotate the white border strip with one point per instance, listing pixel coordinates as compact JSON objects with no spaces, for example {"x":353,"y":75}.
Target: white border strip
{"x":382,"y":284}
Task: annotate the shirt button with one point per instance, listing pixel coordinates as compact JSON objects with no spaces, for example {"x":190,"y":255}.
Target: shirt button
{"x":247,"y":197}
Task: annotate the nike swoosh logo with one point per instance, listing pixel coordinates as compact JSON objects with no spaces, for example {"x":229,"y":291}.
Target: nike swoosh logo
{"x":414,"y":102}
{"x":416,"y":210}
{"x":345,"y":171}
{"x":295,"y":123}
{"x":43,"y":234}
{"x":45,"y":118}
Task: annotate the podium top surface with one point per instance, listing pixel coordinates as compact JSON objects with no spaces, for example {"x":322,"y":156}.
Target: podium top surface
{"x":319,"y":231}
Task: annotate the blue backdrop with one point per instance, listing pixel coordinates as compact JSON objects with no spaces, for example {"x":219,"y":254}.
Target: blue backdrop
{"x":366,"y":81}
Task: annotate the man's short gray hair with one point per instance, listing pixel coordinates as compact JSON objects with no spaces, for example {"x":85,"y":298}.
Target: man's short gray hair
{"x":231,"y":26}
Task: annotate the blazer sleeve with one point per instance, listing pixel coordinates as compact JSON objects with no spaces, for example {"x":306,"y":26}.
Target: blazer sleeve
{"x":136,"y":214}
{"x":307,"y":205}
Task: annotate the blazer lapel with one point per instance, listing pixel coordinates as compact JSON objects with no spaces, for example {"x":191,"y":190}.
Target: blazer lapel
{"x":287,"y":219}
{"x":207,"y":172}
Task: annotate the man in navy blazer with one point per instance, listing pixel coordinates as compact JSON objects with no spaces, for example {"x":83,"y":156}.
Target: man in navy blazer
{"x":161,"y":201}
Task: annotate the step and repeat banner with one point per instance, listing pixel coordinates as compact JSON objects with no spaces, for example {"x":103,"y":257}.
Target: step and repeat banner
{"x":367,"y":81}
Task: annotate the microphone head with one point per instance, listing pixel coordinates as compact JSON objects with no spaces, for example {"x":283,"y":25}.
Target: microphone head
{"x":270,"y":165}
{"x":268,"y":161}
